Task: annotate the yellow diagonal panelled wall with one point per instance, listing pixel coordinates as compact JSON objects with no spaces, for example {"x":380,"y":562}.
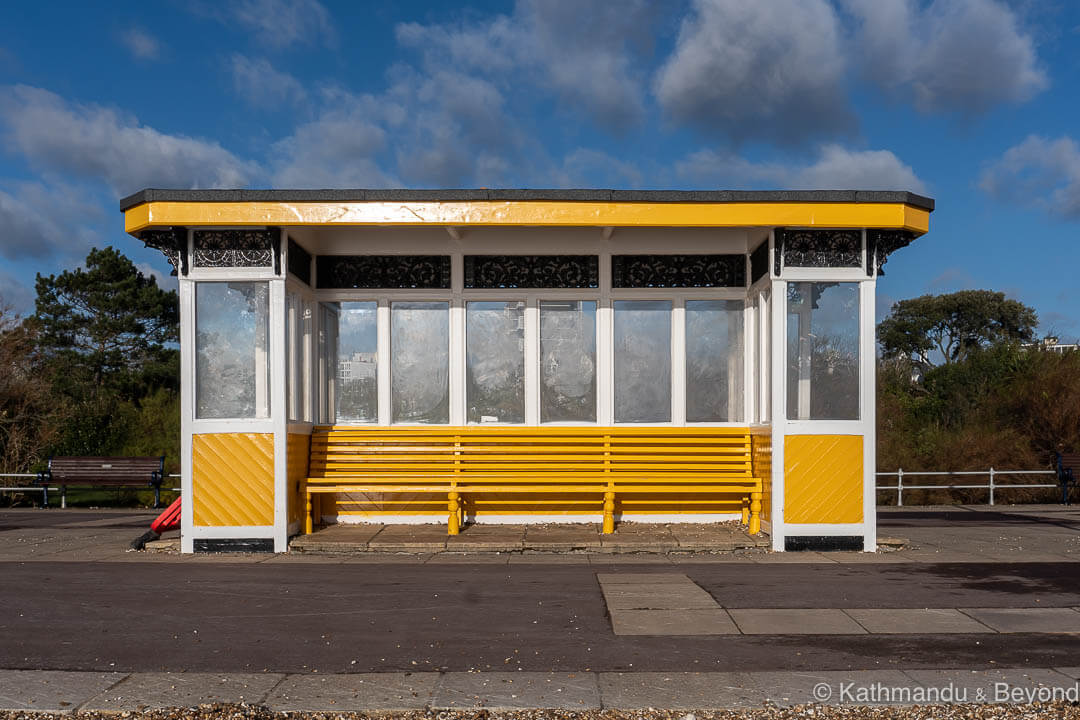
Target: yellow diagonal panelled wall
{"x":761,"y":459}
{"x":233,"y":479}
{"x":297,"y":451}
{"x":823,"y":478}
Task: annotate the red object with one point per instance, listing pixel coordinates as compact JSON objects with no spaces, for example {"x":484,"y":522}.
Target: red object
{"x":168,"y":520}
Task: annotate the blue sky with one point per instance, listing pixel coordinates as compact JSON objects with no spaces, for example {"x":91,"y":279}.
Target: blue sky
{"x":973,"y":102}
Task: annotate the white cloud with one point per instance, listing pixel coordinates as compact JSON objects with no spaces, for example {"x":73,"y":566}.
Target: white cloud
{"x":588,"y":54}
{"x":1040,"y":172}
{"x":836,"y":168}
{"x":758,"y":70}
{"x":42,"y":221}
{"x":591,"y":168}
{"x":141,"y":44}
{"x":100,"y":143}
{"x":15,"y":296}
{"x":440,"y":129}
{"x":263,"y":85}
{"x":165,"y":282}
{"x":952,"y":55}
{"x":283,"y":23}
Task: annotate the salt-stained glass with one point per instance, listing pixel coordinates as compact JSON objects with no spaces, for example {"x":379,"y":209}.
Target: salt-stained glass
{"x":823,"y":351}
{"x":568,"y":361}
{"x":232,"y":363}
{"x":714,"y":360}
{"x":642,"y":336}
{"x":356,"y":379}
{"x":495,"y":362}
{"x":420,"y":362}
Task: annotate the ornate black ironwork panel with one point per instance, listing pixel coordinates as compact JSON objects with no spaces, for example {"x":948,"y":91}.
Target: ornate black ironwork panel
{"x":678,"y":271}
{"x":532,"y":271}
{"x":299,"y":262}
{"x":382,"y":271}
{"x":759,"y":262}
{"x":822,"y":248}
{"x":236,"y":248}
{"x":880,"y":243}
{"x":173,"y":245}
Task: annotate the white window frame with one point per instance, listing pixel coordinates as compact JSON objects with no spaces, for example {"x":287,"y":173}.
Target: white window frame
{"x":604,"y":296}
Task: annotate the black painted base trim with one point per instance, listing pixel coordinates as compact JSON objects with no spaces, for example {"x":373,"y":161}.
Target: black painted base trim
{"x":259,"y":545}
{"x":823,"y":542}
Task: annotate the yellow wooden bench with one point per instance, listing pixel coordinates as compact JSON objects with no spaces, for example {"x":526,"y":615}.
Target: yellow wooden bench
{"x":457,"y":462}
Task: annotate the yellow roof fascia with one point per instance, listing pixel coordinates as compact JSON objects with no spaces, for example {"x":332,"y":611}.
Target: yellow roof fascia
{"x":526,"y":213}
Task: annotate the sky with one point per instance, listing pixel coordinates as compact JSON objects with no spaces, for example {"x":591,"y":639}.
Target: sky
{"x":972,"y":102}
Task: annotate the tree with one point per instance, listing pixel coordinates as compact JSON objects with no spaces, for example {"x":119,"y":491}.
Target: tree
{"x":952,"y":326}
{"x":108,"y":327}
{"x":106,"y":341}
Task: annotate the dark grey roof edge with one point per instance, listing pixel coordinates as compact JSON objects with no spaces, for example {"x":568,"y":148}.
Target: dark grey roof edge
{"x":685,"y":196}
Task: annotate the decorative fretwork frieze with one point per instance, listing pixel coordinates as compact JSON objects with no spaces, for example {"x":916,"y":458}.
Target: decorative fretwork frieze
{"x":382,"y":271}
{"x":172,"y":243}
{"x":880,"y":243}
{"x":678,"y":271}
{"x":531,"y":271}
{"x":299,"y":262}
{"x":822,"y":248}
{"x":235,"y":248}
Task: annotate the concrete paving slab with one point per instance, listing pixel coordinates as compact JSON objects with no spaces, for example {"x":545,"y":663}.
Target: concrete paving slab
{"x":1035,"y":620}
{"x":736,"y":558}
{"x":51,"y":690}
{"x":833,"y":687}
{"x":795,"y":622}
{"x":632,"y":578}
{"x":678,"y":691}
{"x":1070,"y":672}
{"x":703,"y":621}
{"x":660,"y":596}
{"x":157,"y":690}
{"x":508,"y":691}
{"x":353,"y":692}
{"x":486,"y":558}
{"x":636,"y":537}
{"x":979,"y":686}
{"x":488,"y":537}
{"x":927,"y":621}
{"x":338,"y":538}
{"x":891,"y":557}
{"x":562,"y":537}
{"x":409,"y":538}
{"x":306,"y":558}
{"x":387,"y":558}
{"x":610,"y":560}
{"x":548,"y":559}
{"x":794,"y":558}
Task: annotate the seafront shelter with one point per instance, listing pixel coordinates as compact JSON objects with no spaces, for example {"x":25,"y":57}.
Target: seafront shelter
{"x":484,"y":356}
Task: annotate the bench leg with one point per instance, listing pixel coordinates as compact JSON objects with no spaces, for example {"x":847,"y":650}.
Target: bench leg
{"x":745,"y":512}
{"x":609,"y":513}
{"x":63,"y":497}
{"x":308,"y":510}
{"x":755,"y":513}
{"x":453,"y":523}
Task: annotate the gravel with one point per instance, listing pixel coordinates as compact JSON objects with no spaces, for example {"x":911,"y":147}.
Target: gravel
{"x":1055,"y":711}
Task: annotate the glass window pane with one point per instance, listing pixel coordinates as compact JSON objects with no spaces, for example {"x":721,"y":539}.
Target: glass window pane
{"x":714,"y":360}
{"x":232,"y":365}
{"x":420,"y":362}
{"x":568,"y":361}
{"x":823,"y":351}
{"x":357,"y":388}
{"x":642,"y":361}
{"x":495,"y":362}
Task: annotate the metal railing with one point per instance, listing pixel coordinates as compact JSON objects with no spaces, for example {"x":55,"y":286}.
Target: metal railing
{"x":42,"y":489}
{"x":992,"y":486}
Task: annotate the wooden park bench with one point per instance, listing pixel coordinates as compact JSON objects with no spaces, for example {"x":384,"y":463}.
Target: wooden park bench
{"x":102,"y":472}
{"x":587,"y":463}
{"x":1067,"y":467}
